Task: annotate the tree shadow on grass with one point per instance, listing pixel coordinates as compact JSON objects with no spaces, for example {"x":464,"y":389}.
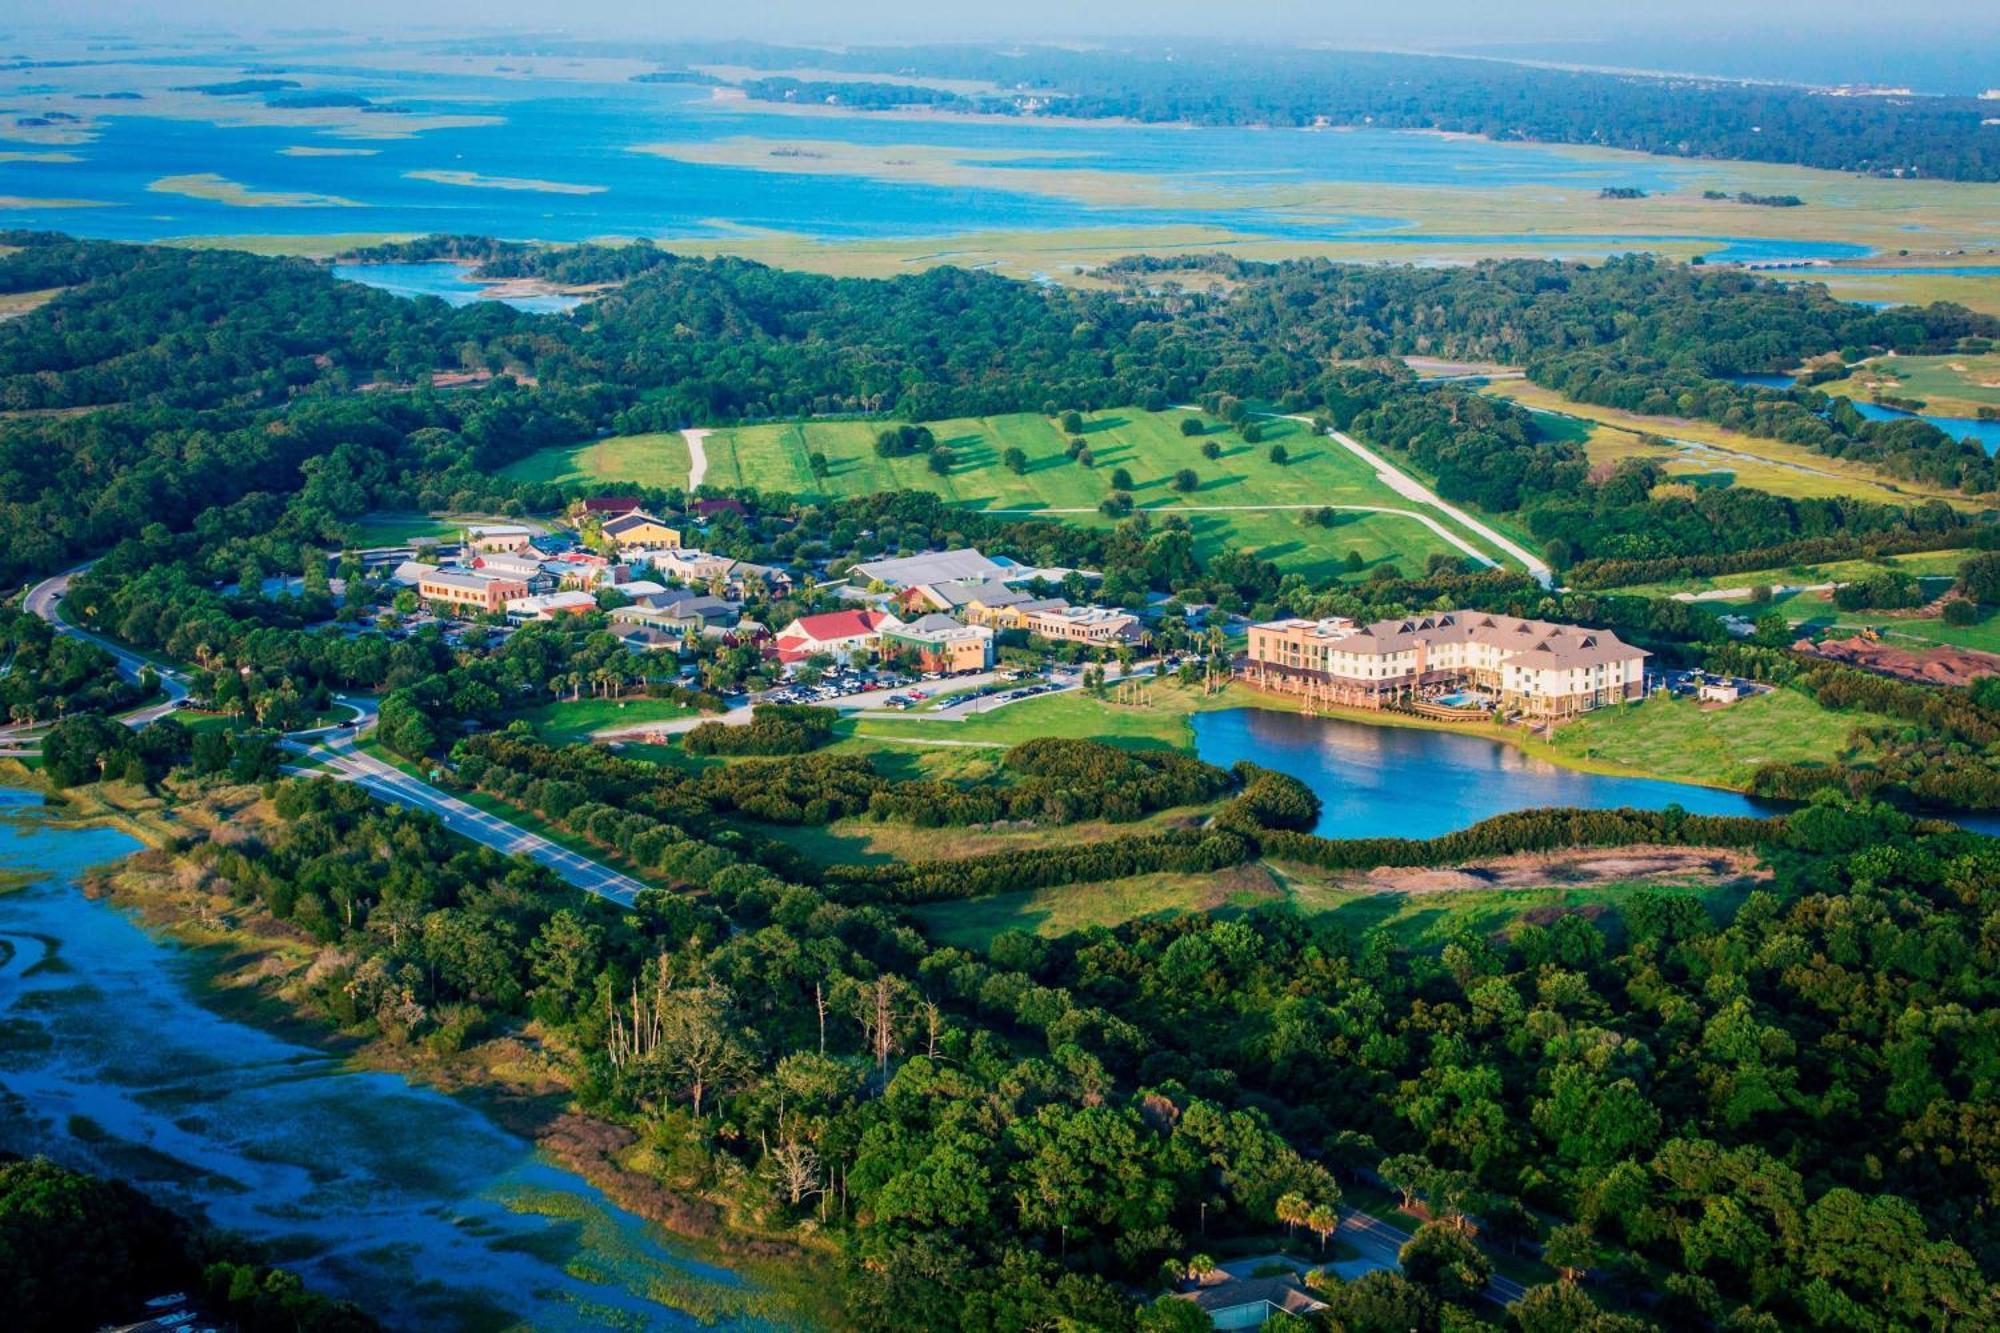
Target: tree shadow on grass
{"x":1103,"y":424}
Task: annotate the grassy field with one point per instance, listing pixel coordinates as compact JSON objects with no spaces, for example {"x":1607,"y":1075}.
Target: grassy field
{"x":397,"y":529}
{"x":1950,"y":386}
{"x":658,"y":459}
{"x":1973,"y":291}
{"x":1682,"y":740}
{"x":1701,"y":447}
{"x":1242,"y":500}
{"x":1915,"y":632}
{"x":1415,"y":920}
{"x":1832,"y":571}
{"x":866,"y":842}
{"x":566,"y":721}
{"x":1160,"y":724}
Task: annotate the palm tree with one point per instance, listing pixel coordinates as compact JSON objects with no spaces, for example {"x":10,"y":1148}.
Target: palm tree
{"x":1323,"y":1220}
{"x":1292,"y":1210}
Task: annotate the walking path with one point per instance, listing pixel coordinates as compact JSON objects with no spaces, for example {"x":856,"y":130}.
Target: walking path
{"x":697,"y":443}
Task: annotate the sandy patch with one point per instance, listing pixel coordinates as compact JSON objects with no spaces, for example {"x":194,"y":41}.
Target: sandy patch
{"x":476,"y":181}
{"x":220,"y":189}
{"x":306,"y":150}
{"x":1579,"y":867}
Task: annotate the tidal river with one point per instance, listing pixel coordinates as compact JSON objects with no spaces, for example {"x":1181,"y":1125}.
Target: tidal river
{"x":404,"y":1199}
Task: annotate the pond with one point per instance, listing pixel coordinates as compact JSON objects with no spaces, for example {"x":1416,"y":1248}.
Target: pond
{"x":1410,"y":782}
{"x":1987,"y":433}
{"x":449,"y":282}
{"x":409,"y":1201}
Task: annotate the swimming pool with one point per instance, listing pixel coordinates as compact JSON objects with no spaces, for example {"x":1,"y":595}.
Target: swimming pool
{"x":1463,"y":699}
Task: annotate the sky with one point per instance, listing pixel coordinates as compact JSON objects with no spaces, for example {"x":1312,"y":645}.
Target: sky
{"x":1852,"y":40}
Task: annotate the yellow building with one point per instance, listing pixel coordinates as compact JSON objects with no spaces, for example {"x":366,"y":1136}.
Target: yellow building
{"x":641,"y":529}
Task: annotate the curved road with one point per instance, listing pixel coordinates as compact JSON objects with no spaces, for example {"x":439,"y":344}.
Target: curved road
{"x":336,"y":756}
{"x":45,"y":600}
{"x":697,"y":456}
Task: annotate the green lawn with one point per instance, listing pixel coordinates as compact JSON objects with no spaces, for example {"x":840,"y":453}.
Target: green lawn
{"x":1833,"y":571}
{"x":567,"y":721}
{"x":1682,"y":740}
{"x":1160,"y":724}
{"x":659,"y":459}
{"x":1147,"y":444}
{"x":399,"y":529}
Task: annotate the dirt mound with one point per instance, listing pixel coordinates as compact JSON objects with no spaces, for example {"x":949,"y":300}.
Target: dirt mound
{"x":1580,"y":866}
{"x":1931,"y":666}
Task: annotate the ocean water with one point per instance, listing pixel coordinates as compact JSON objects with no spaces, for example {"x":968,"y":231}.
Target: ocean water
{"x":585,"y":136}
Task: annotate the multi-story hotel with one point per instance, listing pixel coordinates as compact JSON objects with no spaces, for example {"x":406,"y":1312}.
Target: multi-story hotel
{"x":1531,"y":667}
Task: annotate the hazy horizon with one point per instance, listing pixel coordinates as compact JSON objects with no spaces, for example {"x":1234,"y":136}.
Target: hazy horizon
{"x":1934,"y":45}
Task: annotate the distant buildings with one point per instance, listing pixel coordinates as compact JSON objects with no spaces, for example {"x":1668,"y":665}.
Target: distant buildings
{"x":488,"y":537}
{"x":639,"y":528}
{"x":608,"y":506}
{"x":466,"y":589}
{"x":842,"y":635}
{"x":1103,"y":626}
{"x":957,"y":596}
{"x":1533,"y":667}
{"x":941,"y":643}
{"x":550,"y":605}
{"x":959,"y":565}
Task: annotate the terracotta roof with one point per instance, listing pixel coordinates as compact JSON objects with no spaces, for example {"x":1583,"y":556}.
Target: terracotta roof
{"x":839,"y":624}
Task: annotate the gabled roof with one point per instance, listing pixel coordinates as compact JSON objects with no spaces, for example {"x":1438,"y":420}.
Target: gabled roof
{"x":610,"y":504}
{"x":931,"y":567}
{"x":637,"y":518}
{"x":830,"y":625}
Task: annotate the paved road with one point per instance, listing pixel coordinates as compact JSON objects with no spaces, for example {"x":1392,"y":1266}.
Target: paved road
{"x":1377,"y":1244}
{"x":45,"y":600}
{"x":338,"y":758}
{"x":1405,"y":485}
{"x":697,"y":456}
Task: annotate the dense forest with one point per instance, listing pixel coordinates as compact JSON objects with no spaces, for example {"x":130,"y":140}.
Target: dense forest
{"x":1229,"y":84}
{"x":1668,"y":1100}
{"x":217,"y":383}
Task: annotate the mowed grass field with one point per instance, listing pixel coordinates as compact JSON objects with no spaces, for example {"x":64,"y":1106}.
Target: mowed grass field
{"x":1696,"y":448}
{"x":1832,"y":571}
{"x":1243,"y":500}
{"x":1689,"y":742}
{"x":657,"y":459}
